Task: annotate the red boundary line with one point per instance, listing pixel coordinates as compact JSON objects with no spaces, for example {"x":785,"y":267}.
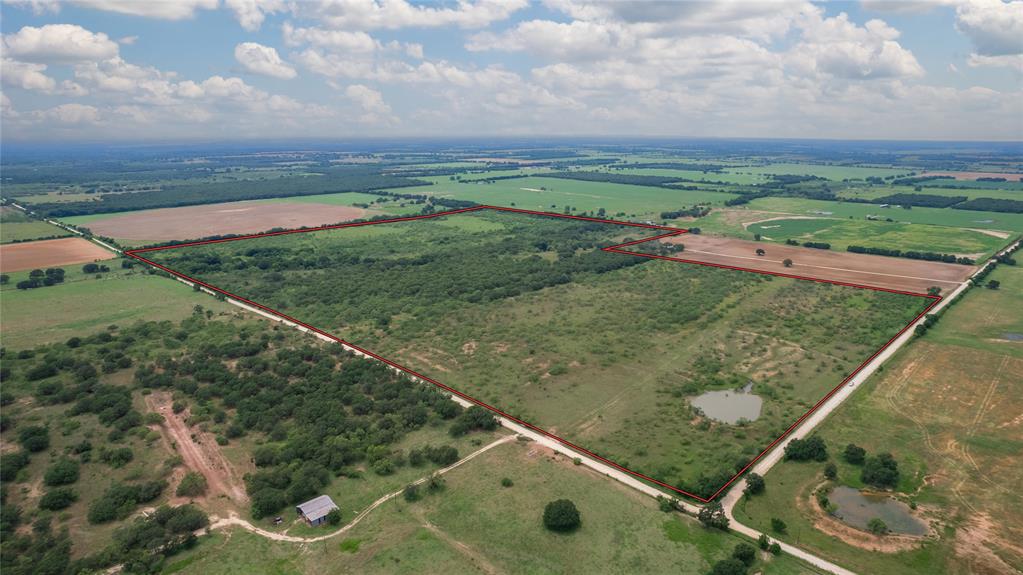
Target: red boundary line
{"x":614,"y":249}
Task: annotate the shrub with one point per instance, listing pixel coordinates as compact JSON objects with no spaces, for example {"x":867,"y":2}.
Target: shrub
{"x":729,"y":566}
{"x":411,"y":493}
{"x":806,"y":449}
{"x":754,"y":484}
{"x":334,"y":517}
{"x":763,"y":541}
{"x":880,"y":471}
{"x":192,"y":484}
{"x":267,"y":501}
{"x":713,"y":515}
{"x":58,"y":498}
{"x":830,"y":470}
{"x":745,"y":552}
{"x":877,"y":526}
{"x":775,"y":549}
{"x":854,"y":454}
{"x":507,"y":482}
{"x":11,"y":464}
{"x":63,"y":472}
{"x":777,"y":525}
{"x":34,"y":438}
{"x":561,"y":515}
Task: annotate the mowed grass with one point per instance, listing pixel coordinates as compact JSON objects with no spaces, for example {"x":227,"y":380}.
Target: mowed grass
{"x":843,"y":233}
{"x":85,"y":304}
{"x":947,"y":408}
{"x":554,"y":194}
{"x":476,"y":524}
{"x":22,"y":231}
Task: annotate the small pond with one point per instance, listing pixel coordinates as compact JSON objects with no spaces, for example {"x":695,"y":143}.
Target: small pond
{"x":730,"y":405}
{"x":857,"y":509}
{"x":1013,"y":336}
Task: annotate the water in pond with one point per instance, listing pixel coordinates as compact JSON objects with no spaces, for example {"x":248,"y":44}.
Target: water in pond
{"x":857,"y":509}
{"x":730,"y":405}
{"x":1013,"y":336}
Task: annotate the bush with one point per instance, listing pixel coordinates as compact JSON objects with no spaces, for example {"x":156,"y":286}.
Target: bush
{"x":830,"y":470}
{"x":880,"y":471}
{"x":117,"y":457}
{"x":334,"y":517}
{"x":507,"y":482}
{"x":713,"y":515}
{"x":57,"y":499}
{"x":411,"y":493}
{"x":854,"y":454}
{"x":267,"y":501}
{"x":193,"y":484}
{"x":877,"y":526}
{"x":763,"y":542}
{"x":746,"y":553}
{"x":775,"y":549}
{"x":777,"y":525}
{"x":63,"y":472}
{"x":729,"y":567}
{"x":473,"y":418}
{"x":561,"y":515}
{"x":34,"y":438}
{"x":754,"y":484}
{"x":11,"y":464}
{"x":811,"y":448}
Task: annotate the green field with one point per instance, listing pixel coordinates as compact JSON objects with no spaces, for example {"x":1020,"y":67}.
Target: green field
{"x":947,"y":408}
{"x":477,"y":525}
{"x":22,"y":231}
{"x":84,"y":304}
{"x":557,"y":193}
{"x":843,"y":233}
{"x":881,"y":191}
{"x":522,"y":313}
{"x":829,"y":172}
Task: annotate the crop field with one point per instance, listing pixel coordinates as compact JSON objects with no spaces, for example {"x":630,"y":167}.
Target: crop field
{"x":946,"y":407}
{"x":606,"y":350}
{"x":49,"y":253}
{"x":475,"y":524}
{"x":216,"y":219}
{"x":823,"y":171}
{"x":554,"y":194}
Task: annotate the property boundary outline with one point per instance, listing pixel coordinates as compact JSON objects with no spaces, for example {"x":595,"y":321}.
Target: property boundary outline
{"x":667,"y":232}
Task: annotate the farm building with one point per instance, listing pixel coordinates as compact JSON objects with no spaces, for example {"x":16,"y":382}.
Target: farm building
{"x":315,"y":510}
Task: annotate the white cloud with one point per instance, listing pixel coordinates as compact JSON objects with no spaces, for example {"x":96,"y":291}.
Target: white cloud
{"x":337,"y":39}
{"x":995,"y":27}
{"x":160,"y":9}
{"x":394,"y":14}
{"x":58,"y":43}
{"x":263,"y":60}
{"x":252,"y":13}
{"x":371,"y":101}
{"x":30,"y":76}
{"x":128,"y":40}
{"x":69,"y":114}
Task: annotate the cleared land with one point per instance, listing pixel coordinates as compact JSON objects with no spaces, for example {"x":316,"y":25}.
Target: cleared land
{"x":878,"y":271}
{"x":49,"y":253}
{"x":23,"y":231}
{"x":215,"y":219}
{"x":947,"y":408}
{"x":526,"y":313}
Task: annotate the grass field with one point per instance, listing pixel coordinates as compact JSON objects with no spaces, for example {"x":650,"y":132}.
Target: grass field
{"x":22,"y":231}
{"x":604,"y":356}
{"x":881,"y":191}
{"x":85,"y":303}
{"x":829,"y":172}
{"x":632,"y":201}
{"x":476,"y":525}
{"x":843,"y":233}
{"x":947,"y":408}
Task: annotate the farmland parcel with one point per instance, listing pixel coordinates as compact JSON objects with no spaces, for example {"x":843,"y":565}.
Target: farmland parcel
{"x":609,"y":351}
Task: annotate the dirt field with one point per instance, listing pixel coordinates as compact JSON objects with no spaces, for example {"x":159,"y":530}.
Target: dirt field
{"x":49,"y":253}
{"x":878,"y":271}
{"x":974,"y":175}
{"x":192,"y":222}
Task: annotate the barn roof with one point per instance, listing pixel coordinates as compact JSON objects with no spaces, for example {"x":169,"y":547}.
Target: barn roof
{"x":317,"y":508}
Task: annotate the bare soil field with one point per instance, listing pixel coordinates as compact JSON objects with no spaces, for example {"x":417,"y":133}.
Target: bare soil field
{"x":192,"y":222}
{"x":974,"y":175}
{"x":49,"y":253}
{"x":877,"y":271}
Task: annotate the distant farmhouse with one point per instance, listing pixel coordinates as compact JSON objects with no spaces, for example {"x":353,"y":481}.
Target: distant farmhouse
{"x":315,"y":510}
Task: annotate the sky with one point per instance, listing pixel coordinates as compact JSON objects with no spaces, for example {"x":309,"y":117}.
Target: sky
{"x":177,"y":70}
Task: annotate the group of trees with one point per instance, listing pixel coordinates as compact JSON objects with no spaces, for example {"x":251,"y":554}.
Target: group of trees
{"x":693,"y":212}
{"x":41,"y":278}
{"x":911,"y":254}
{"x":812,"y":448}
{"x":815,"y":245}
{"x":921,"y":200}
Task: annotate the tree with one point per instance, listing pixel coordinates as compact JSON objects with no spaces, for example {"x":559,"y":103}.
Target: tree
{"x":267,"y":501}
{"x":811,"y":448}
{"x":763,"y":541}
{"x":746,"y":553}
{"x":877,"y":526}
{"x":760,"y":251}
{"x":507,"y":482}
{"x":830,"y":470}
{"x":756,"y":238}
{"x":90,"y":268}
{"x":561,"y":515}
{"x":63,"y":472}
{"x":729,"y":566}
{"x":411,"y":493}
{"x":993,"y":284}
{"x":193,"y":484}
{"x":777,"y":525}
{"x":933,"y":290}
{"x":775,"y":548}
{"x":713,"y":515}
{"x":787,"y":262}
{"x":880,"y":471}
{"x":334,"y":517}
{"x":754,"y":484}
{"x":854,"y":454}
{"x":4,"y":279}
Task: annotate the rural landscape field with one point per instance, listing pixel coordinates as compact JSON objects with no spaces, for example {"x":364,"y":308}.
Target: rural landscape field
{"x":519,"y":287}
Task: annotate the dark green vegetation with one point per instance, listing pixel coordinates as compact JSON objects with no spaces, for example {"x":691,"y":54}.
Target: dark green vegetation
{"x":527,"y":314}
{"x":561,"y":515}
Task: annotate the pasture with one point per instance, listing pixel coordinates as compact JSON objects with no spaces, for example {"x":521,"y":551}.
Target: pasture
{"x":823,"y":171}
{"x":524,"y":313}
{"x":475,"y":523}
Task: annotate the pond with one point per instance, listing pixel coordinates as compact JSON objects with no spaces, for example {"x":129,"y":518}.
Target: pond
{"x":729,"y":406}
{"x":1011,"y":336}
{"x":857,"y":509}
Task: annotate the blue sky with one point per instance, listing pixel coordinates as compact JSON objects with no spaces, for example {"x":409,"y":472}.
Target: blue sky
{"x":238,"y":69}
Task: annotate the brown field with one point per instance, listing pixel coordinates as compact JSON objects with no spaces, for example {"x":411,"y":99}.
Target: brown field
{"x":49,"y":253}
{"x":192,"y":222}
{"x":974,"y":175}
{"x":878,"y":271}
